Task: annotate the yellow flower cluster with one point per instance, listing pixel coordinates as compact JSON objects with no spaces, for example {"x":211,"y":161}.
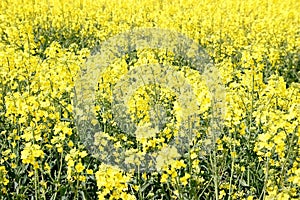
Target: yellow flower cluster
{"x":3,"y":174}
{"x":112,"y":183}
{"x":250,"y":151}
{"x":30,"y":153}
{"x":74,"y":171}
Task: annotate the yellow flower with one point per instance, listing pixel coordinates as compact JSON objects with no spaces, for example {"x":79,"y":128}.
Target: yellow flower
{"x":3,"y":178}
{"x":47,"y":167}
{"x":193,"y":155}
{"x":222,"y":194}
{"x":70,"y":143}
{"x":31,"y":152}
{"x":250,"y":198}
{"x":243,"y":169}
{"x":184,"y":180}
{"x":83,"y":154}
{"x":164,"y":178}
{"x":136,"y":187}
{"x":79,"y":167}
{"x":144,"y":176}
{"x":89,"y":171}
{"x":82,"y":178}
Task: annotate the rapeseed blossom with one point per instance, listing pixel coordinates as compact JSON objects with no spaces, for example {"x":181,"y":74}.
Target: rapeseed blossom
{"x":253,"y":153}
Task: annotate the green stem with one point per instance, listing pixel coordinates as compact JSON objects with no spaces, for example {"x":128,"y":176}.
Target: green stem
{"x":58,"y":176}
{"x":263,"y":193}
{"x":36,"y":184}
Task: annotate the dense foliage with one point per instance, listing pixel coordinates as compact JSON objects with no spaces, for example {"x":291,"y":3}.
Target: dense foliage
{"x":254,"y":44}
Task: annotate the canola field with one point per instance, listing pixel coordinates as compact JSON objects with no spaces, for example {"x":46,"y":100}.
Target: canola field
{"x":253,"y":152}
